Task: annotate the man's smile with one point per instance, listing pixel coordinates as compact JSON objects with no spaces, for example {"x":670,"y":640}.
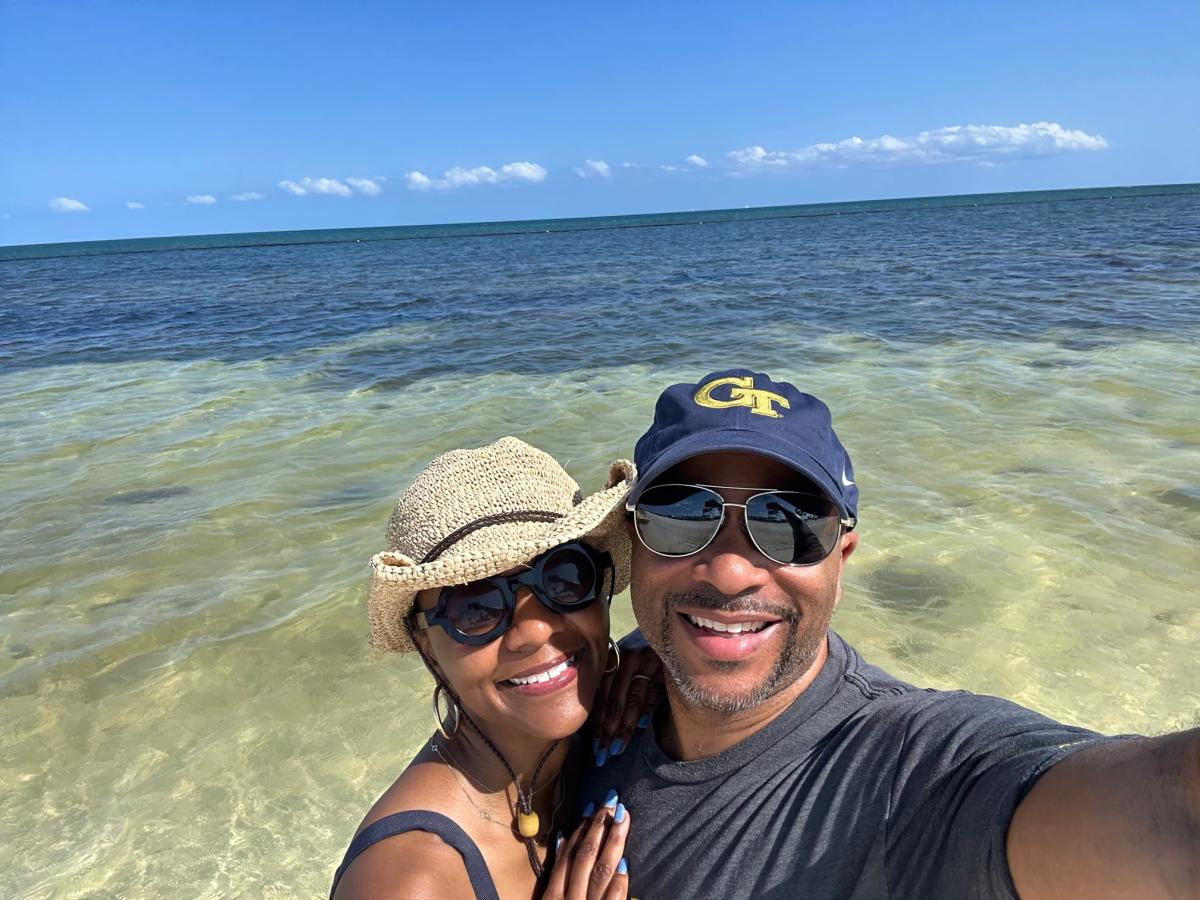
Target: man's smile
{"x":727,"y":636}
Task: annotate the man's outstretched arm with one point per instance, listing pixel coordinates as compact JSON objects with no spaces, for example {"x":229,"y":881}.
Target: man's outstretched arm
{"x":1117,"y":820}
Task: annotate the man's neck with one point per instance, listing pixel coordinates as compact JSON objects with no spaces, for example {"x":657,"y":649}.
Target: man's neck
{"x":693,"y":732}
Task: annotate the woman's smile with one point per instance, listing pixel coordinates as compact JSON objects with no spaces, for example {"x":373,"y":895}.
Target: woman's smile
{"x":545,"y":678}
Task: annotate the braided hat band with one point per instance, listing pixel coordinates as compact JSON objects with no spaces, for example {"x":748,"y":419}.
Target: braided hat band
{"x":472,"y":514}
{"x":529,"y":515}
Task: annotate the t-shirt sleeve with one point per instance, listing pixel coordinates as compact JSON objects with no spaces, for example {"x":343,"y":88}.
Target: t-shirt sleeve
{"x":964,"y":764}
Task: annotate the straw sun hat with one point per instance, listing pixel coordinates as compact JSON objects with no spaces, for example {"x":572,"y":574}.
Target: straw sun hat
{"x":475,"y":513}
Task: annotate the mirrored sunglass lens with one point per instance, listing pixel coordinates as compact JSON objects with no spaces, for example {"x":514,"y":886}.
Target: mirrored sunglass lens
{"x":793,"y":528}
{"x":568,"y":576}
{"x":677,"y":519}
{"x":475,"y":608}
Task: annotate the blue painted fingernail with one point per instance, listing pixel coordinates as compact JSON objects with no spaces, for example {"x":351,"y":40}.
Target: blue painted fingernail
{"x":619,"y":816}
{"x":588,"y":810}
{"x":622,"y":867}
{"x":601,"y":757}
{"x":617,"y":746}
{"x":644,"y":720}
{"x":558,"y":842}
{"x":610,"y":799}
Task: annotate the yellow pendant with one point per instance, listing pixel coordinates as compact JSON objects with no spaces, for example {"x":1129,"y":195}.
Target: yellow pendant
{"x":528,"y":824}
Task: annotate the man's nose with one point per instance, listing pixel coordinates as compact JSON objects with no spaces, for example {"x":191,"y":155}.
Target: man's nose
{"x":731,"y":563}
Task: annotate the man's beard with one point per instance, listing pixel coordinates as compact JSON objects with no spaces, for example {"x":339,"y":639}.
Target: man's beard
{"x":796,"y":657}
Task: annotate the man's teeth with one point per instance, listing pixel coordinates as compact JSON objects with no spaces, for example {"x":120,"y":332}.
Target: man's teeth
{"x":734,"y":628}
{"x":548,"y":675}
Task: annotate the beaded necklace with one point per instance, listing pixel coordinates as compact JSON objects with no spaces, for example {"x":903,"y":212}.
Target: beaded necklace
{"x":527,"y":824}
{"x":459,"y":771}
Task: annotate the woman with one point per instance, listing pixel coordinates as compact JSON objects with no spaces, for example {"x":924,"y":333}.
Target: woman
{"x":500,"y":576}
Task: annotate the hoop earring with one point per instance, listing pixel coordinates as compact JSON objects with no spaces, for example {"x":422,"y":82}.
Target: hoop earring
{"x":617,"y":650}
{"x":453,"y":712}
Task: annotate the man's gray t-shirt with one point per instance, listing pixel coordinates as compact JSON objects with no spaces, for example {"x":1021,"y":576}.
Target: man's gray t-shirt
{"x":865,"y":787}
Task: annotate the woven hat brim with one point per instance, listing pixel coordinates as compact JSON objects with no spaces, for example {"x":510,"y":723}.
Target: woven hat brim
{"x":395,"y":579}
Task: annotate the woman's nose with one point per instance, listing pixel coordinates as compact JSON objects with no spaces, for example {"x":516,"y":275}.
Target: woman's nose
{"x":533,"y":622}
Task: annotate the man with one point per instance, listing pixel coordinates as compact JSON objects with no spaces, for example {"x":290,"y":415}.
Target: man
{"x":783,"y":765}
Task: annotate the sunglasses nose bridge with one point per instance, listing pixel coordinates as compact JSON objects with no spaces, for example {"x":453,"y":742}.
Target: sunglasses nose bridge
{"x":731,"y":522}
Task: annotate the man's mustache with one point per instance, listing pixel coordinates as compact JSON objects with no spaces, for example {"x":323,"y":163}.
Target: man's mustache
{"x":741,"y":603}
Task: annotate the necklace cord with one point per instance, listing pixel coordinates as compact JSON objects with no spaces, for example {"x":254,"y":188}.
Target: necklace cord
{"x":524,"y":800}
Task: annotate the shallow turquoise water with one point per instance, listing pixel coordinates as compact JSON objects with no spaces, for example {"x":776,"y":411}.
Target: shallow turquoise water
{"x":200,"y":452}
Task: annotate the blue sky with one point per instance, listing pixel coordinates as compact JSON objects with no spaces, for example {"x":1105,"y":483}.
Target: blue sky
{"x":126,"y":119}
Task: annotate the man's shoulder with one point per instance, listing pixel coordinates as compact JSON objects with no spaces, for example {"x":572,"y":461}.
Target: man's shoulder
{"x":858,"y":675}
{"x":927,"y":714}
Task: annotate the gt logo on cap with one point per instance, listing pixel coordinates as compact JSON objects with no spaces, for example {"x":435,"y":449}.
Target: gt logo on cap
{"x":741,"y":393}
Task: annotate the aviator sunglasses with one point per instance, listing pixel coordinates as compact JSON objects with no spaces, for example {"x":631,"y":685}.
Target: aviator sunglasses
{"x":788,"y":527}
{"x":565,"y":579}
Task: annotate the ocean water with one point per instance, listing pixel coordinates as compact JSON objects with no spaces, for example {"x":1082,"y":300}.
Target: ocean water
{"x":201,"y":440}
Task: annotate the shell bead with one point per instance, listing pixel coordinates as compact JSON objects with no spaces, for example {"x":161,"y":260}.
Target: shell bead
{"x":528,"y":824}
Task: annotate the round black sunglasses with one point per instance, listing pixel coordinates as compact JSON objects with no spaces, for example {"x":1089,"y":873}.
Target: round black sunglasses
{"x":565,"y":579}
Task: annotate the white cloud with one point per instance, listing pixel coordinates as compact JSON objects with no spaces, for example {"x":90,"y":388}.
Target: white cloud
{"x":665,"y":167}
{"x":458,"y":177}
{"x":697,"y":160}
{"x":133,"y":204}
{"x":307,"y":185}
{"x":523,"y":171}
{"x":369,"y":186}
{"x":202,"y":199}
{"x":418,"y":182}
{"x":67,"y":204}
{"x":592,"y":168}
{"x":980,"y":144}
{"x":247,"y":196}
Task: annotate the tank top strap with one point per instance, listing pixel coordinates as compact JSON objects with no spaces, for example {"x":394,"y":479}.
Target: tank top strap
{"x":434,"y":823}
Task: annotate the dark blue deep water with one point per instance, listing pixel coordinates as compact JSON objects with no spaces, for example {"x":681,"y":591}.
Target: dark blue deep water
{"x":552,"y":296}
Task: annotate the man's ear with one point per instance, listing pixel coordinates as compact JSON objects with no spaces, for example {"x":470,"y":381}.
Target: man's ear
{"x":849,"y":544}
{"x":849,"y":541}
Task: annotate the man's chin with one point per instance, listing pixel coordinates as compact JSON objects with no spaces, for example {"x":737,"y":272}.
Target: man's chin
{"x":723,"y":692}
{"x":727,"y":686}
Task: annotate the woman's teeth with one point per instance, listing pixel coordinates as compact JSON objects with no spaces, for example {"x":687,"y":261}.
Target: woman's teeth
{"x":548,"y":675}
{"x":733,"y":628}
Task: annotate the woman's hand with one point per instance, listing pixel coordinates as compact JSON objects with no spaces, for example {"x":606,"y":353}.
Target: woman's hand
{"x":590,"y":864}
{"x":626,"y":697}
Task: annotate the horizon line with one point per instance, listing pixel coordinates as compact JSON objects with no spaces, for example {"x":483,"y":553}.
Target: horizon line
{"x":744,"y":213}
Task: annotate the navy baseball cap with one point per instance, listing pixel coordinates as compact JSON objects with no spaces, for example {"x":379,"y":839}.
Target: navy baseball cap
{"x":738,"y":409}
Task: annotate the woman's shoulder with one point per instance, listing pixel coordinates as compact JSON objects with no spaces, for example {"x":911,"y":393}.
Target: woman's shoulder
{"x":423,"y":787}
{"x":412,"y":858}
{"x":414,"y":864}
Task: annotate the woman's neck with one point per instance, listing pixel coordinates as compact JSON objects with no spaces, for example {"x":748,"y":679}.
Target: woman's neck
{"x":471,"y":755}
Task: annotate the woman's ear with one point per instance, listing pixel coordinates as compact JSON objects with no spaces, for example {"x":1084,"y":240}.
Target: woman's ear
{"x":425,"y":646}
{"x":420,"y":636}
